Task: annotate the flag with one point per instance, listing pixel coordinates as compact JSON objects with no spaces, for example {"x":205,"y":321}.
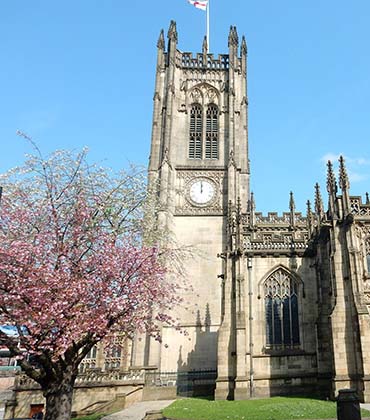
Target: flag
{"x":201,"y":4}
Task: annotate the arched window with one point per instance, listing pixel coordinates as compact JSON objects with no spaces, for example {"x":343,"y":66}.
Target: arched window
{"x":195,"y":132}
{"x":92,"y":353}
{"x":281,"y":310}
{"x":212,"y":132}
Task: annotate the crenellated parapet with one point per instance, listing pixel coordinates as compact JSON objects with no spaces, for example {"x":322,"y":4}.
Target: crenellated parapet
{"x":186,"y":60}
{"x":274,"y":234}
{"x":273,"y":218}
{"x":270,"y":234}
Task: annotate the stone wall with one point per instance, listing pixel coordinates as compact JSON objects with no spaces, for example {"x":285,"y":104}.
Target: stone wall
{"x":95,"y":393}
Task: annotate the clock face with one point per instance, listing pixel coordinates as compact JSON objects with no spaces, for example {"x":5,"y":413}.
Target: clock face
{"x":202,"y":191}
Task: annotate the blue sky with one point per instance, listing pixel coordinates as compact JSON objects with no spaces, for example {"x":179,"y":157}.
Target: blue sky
{"x":78,"y":73}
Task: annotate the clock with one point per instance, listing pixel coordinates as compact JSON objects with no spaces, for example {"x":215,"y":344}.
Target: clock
{"x":201,"y":191}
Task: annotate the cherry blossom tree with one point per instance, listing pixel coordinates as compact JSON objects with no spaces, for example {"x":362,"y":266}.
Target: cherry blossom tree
{"x":74,"y":268}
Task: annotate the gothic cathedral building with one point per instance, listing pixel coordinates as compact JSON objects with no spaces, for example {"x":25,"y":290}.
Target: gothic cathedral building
{"x":278,"y":304}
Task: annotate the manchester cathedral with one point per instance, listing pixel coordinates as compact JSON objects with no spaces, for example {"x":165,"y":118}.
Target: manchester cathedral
{"x":279,"y":304}
{"x":274,"y":304}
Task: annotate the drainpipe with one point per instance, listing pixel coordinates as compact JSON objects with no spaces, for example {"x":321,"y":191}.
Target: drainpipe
{"x":250,"y":293}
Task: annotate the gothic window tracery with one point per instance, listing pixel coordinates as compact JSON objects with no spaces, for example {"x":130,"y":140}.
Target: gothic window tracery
{"x":195,"y":134}
{"x":204,"y":124}
{"x":89,"y":362}
{"x":212,"y":132}
{"x":281,"y":310}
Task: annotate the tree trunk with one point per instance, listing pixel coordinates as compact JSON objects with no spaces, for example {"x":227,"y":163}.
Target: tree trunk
{"x":59,"y":398}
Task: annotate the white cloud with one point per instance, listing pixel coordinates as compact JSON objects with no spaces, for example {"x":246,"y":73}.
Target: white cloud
{"x":360,"y":161}
{"x":355,"y":176}
{"x":353,"y":165}
{"x":330,"y":156}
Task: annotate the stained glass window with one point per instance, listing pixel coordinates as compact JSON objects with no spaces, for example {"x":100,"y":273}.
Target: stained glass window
{"x":281,"y":310}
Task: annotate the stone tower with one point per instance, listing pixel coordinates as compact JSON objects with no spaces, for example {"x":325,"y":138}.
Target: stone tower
{"x":199,"y":163}
{"x":278,"y":304}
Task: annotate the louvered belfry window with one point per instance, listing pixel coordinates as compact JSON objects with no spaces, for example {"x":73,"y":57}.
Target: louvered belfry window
{"x":281,"y":310}
{"x":195,"y":134}
{"x":212,"y":132}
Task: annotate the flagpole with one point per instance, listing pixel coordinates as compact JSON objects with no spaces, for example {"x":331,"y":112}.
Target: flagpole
{"x":208,"y":42}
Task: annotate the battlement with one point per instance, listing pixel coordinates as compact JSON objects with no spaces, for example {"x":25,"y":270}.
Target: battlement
{"x":274,"y":218}
{"x":187,"y":60}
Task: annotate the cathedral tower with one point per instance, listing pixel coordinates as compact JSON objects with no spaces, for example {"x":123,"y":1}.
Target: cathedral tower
{"x":278,"y":304}
{"x":199,"y":163}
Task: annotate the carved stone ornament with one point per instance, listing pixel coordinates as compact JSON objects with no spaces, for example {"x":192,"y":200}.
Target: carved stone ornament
{"x":199,"y":192}
{"x":196,"y":96}
{"x":363,"y":233}
{"x":359,"y":209}
{"x":366,"y":298}
{"x":212,"y":95}
{"x":204,"y":94}
{"x":184,"y":86}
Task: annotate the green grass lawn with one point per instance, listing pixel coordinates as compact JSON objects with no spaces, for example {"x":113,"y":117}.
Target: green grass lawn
{"x":277,"y":408}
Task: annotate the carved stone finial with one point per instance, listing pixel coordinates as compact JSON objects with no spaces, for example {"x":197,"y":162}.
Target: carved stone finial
{"x":291,"y":202}
{"x":205,"y":46}
{"x":230,"y":214}
{"x":367,"y":198}
{"x":231,"y":158}
{"x":253,"y":203}
{"x":252,"y":210}
{"x":331,"y":183}
{"x":238,"y":206}
{"x":233,"y":37}
{"x":292,"y":209}
{"x":319,"y":206}
{"x":236,"y":37}
{"x":243,"y":48}
{"x":172,"y":31}
{"x":204,"y":51}
{"x":230,"y":38}
{"x":343,"y":177}
{"x":160,"y":43}
{"x":309,"y":212}
{"x":309,"y":217}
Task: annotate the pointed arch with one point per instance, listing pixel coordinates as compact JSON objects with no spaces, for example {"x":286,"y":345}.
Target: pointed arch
{"x":276,"y":268}
{"x":204,"y":94}
{"x":204,"y":122}
{"x":281,"y":290}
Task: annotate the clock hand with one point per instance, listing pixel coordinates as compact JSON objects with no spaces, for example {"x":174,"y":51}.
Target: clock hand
{"x":201,"y":187}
